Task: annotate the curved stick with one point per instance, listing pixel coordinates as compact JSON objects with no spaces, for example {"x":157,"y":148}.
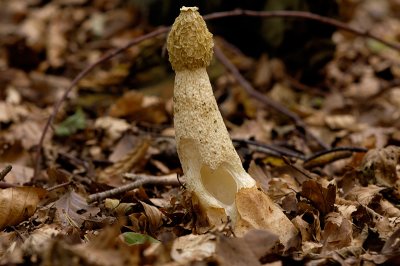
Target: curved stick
{"x":304,"y":15}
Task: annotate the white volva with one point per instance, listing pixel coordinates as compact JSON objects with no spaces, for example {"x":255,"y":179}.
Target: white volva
{"x":212,"y":168}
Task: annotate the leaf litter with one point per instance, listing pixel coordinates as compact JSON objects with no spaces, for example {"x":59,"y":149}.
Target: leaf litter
{"x":118,"y":120}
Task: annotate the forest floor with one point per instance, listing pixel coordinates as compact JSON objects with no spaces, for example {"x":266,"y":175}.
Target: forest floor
{"x":341,"y":188}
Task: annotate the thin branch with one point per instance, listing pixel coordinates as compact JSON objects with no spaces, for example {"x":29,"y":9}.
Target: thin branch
{"x":301,"y":171}
{"x":65,"y":184}
{"x":5,"y":171}
{"x":7,"y":185}
{"x":271,"y":149}
{"x":303,"y":87}
{"x":332,"y":150}
{"x":304,"y":15}
{"x":81,"y":75}
{"x":168,"y":180}
{"x":261,"y":97}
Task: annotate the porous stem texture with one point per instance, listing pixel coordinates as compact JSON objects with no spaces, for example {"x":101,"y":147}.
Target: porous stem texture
{"x":211,"y":165}
{"x":209,"y":160}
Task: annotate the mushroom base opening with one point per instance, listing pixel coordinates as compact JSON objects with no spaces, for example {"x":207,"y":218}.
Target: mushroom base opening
{"x":219,"y":183}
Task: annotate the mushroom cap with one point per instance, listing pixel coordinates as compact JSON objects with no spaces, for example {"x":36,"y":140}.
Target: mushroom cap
{"x":189,"y":42}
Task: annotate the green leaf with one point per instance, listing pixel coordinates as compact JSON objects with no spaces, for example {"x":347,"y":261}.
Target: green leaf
{"x":71,"y":124}
{"x":376,"y":46}
{"x":132,"y":238}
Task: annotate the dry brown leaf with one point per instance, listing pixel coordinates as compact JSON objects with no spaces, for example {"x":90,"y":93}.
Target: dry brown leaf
{"x":10,"y":248}
{"x":191,"y":248}
{"x":365,"y":195}
{"x":337,"y":232}
{"x":107,"y":78}
{"x":260,"y":242}
{"x":368,"y":86}
{"x":309,"y":226}
{"x":392,"y":245}
{"x":39,"y":240}
{"x":234,"y":252}
{"x":106,"y":249}
{"x":19,"y":174}
{"x":322,"y":198}
{"x":73,"y":209}
{"x":309,"y":247}
{"x":304,"y":228}
{"x":257,"y":173}
{"x":153,"y":215}
{"x":259,"y":129}
{"x":138,"y":221}
{"x":257,"y":211}
{"x":18,"y":204}
{"x":28,"y":132}
{"x":280,"y":187}
{"x":56,"y":41}
{"x":337,"y":122}
{"x":129,"y":103}
{"x":49,"y":88}
{"x":388,"y":209}
{"x":134,"y":157}
{"x":161,"y":202}
{"x":11,"y":112}
{"x":380,"y":165}
{"x":57,"y":176}
{"x":123,"y":147}
{"x":155,"y":113}
{"x":263,"y":73}
{"x":119,"y":208}
{"x":383,"y":225}
{"x":114,"y":127}
{"x":347,"y":210}
{"x":34,"y":27}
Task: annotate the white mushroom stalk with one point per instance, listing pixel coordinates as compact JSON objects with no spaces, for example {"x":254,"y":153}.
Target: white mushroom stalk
{"x":213,"y":169}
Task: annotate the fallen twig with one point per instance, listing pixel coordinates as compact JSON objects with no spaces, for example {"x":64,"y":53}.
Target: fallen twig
{"x":5,"y":171}
{"x":7,"y":185}
{"x":271,"y":149}
{"x":301,"y":171}
{"x":304,"y":15}
{"x":140,"y":180}
{"x":65,"y":184}
{"x":324,"y":157}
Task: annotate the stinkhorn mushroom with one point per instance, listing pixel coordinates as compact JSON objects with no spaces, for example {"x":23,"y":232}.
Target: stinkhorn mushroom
{"x":212,"y":168}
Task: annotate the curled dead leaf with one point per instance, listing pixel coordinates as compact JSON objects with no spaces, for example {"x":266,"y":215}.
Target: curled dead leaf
{"x":322,"y":198}
{"x":153,"y":215}
{"x":309,"y":226}
{"x":124,"y":165}
{"x":337,"y":232}
{"x":119,"y":208}
{"x":18,"y":204}
{"x":380,"y":165}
